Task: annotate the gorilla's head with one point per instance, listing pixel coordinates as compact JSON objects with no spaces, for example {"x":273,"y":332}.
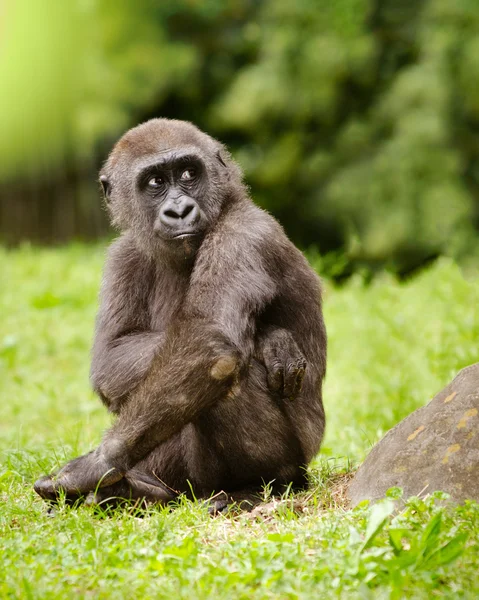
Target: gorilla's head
{"x":167,"y":182}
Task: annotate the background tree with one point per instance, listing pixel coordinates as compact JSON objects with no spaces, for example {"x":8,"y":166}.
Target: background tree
{"x":356,"y":121}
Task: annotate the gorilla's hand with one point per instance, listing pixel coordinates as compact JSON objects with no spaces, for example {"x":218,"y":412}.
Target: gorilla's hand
{"x":284,"y":362}
{"x":78,"y":477}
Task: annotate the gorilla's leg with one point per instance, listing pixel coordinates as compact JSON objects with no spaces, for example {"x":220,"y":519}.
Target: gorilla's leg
{"x":246,"y":438}
{"x":229,"y":452}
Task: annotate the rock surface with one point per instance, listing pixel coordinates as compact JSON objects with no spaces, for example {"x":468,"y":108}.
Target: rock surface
{"x":434,"y":448}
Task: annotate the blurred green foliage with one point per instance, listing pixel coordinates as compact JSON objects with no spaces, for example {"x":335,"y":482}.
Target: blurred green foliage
{"x":356,"y":121}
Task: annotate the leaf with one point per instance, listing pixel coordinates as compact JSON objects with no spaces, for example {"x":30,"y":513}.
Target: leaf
{"x":377,"y":520}
{"x":394,"y":493}
{"x":430,"y":536}
{"x":396,"y":536}
{"x":354,"y":536}
{"x":449,"y":552}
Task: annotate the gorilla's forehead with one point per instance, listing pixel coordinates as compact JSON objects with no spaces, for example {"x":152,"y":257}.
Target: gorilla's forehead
{"x":164,"y":157}
{"x":161,"y":136}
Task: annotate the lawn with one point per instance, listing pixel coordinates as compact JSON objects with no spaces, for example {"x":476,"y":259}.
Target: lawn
{"x":392,"y":346}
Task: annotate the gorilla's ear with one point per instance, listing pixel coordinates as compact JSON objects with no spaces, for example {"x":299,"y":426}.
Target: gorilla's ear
{"x":220,"y":158}
{"x":105,"y":184}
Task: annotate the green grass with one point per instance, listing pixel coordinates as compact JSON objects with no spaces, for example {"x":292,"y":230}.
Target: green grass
{"x":392,"y":346}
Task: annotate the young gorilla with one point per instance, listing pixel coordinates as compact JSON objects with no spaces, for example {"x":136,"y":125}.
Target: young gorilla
{"x":210,"y":344}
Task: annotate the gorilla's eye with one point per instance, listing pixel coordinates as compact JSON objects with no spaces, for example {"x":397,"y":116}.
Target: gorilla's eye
{"x":155,"y":182}
{"x":188,"y":174}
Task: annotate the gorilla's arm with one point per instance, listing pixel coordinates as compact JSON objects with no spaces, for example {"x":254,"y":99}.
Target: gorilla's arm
{"x":193,"y":370}
{"x":118,"y":365}
{"x":124,"y":348}
{"x":236,"y":276}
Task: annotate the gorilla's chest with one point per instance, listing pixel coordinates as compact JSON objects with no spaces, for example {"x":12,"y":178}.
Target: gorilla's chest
{"x":165,"y":299}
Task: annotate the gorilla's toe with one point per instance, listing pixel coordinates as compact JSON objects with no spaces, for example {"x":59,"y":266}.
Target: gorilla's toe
{"x":45,"y":488}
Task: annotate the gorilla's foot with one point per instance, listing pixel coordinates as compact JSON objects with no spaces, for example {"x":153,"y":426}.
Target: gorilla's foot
{"x":78,"y":477}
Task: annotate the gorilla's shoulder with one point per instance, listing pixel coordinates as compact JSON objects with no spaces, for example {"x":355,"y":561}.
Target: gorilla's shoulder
{"x":250,"y":222}
{"x":123,"y":246}
{"x":123,"y":254}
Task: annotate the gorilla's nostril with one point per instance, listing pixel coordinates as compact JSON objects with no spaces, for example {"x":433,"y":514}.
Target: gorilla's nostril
{"x":172,"y":214}
{"x":186,"y":211}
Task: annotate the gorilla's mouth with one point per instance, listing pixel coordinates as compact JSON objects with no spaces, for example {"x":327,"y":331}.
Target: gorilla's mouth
{"x":174,"y":236}
{"x":186,"y":235}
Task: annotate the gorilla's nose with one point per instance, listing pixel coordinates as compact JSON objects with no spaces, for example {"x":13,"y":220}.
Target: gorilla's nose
{"x":178,"y":213}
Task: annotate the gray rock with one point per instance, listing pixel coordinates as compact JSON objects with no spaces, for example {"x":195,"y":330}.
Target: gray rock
{"x":434,"y":448}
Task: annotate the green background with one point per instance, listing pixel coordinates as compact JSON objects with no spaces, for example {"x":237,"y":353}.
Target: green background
{"x":356,"y":121}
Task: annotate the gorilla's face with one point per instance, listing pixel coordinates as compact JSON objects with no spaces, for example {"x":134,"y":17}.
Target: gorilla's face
{"x":173,"y":192}
{"x":167,"y":186}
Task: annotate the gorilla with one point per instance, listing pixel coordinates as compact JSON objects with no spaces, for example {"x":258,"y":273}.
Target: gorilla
{"x":210,"y":345}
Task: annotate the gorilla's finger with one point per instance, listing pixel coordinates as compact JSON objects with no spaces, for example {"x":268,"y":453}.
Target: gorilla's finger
{"x":290,"y":379}
{"x":299,"y":382}
{"x":276,"y":378}
{"x":293,"y":378}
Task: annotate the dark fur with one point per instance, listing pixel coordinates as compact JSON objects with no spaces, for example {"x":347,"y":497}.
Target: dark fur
{"x":201,"y":343}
